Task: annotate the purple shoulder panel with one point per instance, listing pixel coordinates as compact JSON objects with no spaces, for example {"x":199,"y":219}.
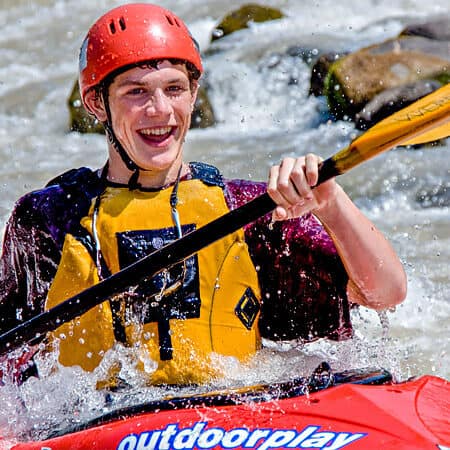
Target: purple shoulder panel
{"x":33,"y":240}
{"x":302,"y":277}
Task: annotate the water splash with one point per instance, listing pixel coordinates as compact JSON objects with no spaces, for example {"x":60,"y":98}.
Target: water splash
{"x":67,"y":396}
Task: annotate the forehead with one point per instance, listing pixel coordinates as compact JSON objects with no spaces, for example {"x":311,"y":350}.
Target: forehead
{"x":165,"y":71}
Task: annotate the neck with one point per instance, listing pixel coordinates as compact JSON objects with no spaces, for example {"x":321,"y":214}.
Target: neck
{"x":152,"y":179}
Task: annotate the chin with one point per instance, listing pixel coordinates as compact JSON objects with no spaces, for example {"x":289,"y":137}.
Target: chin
{"x":159,"y":165}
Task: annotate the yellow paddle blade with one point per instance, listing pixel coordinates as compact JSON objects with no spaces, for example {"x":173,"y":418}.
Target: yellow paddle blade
{"x":433,"y":110}
{"x":425,"y":120}
{"x":440,"y":132}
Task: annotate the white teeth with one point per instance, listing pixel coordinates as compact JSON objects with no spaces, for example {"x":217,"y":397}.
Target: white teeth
{"x":156,"y":131}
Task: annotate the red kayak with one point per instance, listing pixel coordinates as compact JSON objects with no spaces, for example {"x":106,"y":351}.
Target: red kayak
{"x":349,"y":410}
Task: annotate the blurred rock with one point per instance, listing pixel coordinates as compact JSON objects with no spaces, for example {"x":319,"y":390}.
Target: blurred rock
{"x":438,"y":30}
{"x":392,"y":100}
{"x":320,"y":71}
{"x":80,"y":119}
{"x":417,"y":59}
{"x":357,"y":78}
{"x":240,"y":18}
{"x":203,"y":114}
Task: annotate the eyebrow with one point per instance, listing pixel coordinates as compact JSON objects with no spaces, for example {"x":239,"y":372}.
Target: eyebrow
{"x":130,"y":81}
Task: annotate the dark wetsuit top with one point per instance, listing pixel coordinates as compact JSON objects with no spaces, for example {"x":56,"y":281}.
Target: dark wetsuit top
{"x":302,"y":279}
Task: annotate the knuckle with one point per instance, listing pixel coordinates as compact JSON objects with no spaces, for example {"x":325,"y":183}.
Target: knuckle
{"x":283,"y":185}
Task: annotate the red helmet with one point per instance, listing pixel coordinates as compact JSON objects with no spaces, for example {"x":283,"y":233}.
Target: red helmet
{"x":130,"y":34}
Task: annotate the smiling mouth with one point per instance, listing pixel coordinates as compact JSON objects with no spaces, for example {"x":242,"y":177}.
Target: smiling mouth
{"x":156,"y":135}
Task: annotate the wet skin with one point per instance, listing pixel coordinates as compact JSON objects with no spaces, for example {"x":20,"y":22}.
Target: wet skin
{"x":151,"y":114}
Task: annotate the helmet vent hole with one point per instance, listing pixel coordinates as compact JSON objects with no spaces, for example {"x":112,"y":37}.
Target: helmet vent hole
{"x":122,"y":25}
{"x":112,"y":27}
{"x":173,"y":21}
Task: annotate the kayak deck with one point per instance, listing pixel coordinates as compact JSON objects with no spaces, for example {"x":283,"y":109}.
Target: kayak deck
{"x":352,"y":409}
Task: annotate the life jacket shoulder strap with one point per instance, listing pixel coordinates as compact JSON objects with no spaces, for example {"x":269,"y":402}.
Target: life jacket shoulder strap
{"x":210,"y":175}
{"x":74,"y":177}
{"x":84,"y":176}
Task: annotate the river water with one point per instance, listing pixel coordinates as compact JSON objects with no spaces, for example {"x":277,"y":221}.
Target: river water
{"x":261,"y":117}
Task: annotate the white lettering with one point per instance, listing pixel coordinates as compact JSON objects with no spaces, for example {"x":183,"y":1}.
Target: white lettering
{"x":302,"y":436}
{"x":235,"y":438}
{"x":278,"y":439}
{"x":187,"y":437}
{"x":255,"y":437}
{"x":167,"y":433}
{"x":200,"y":437}
{"x":343,"y":439}
{"x":210,"y":438}
{"x":318,"y":440}
{"x":128,"y":443}
{"x":145,"y":443}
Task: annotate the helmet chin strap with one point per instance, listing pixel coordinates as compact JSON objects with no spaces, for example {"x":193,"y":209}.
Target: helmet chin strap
{"x":131,"y":165}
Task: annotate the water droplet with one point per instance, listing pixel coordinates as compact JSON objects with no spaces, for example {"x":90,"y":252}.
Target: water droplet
{"x":217,"y":33}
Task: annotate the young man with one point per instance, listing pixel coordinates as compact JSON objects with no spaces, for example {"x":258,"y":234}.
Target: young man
{"x":139,"y":72}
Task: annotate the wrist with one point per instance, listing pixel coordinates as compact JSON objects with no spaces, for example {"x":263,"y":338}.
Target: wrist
{"x":330,"y":211}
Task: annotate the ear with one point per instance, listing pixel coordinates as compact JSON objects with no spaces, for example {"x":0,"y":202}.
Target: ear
{"x":94,"y":105}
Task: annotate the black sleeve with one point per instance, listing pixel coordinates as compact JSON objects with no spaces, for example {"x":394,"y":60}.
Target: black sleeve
{"x":33,"y":241}
{"x":27,"y":266}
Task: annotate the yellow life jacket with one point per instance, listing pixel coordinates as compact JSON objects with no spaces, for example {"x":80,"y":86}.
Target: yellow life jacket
{"x":178,"y":320}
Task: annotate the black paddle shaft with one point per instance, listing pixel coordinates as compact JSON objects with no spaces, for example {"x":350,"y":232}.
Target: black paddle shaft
{"x":34,"y":329}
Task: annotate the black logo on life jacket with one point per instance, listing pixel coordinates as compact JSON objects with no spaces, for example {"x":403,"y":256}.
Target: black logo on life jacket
{"x":247,"y":308}
{"x":171,"y":294}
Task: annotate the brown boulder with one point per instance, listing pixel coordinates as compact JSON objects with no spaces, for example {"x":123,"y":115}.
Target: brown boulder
{"x":240,"y":18}
{"x":80,"y":119}
{"x":392,"y":100}
{"x":203,"y":114}
{"x":357,"y":78}
{"x":320,"y":71}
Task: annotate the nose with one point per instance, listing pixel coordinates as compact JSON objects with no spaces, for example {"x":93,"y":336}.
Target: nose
{"x":159,"y":103}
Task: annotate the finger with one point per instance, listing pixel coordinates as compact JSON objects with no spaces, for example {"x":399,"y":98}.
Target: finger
{"x":291,"y":180}
{"x":279,"y":213}
{"x":312,"y":168}
{"x":272,"y":187}
{"x":299,"y":181}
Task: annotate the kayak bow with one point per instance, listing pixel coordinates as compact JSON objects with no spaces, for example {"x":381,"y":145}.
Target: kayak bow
{"x":304,"y":413}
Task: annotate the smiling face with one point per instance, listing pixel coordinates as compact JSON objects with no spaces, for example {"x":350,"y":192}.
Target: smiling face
{"x":151,"y":114}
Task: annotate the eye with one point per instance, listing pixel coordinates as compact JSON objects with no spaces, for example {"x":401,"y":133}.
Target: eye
{"x":176,"y":89}
{"x":135,"y":91}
